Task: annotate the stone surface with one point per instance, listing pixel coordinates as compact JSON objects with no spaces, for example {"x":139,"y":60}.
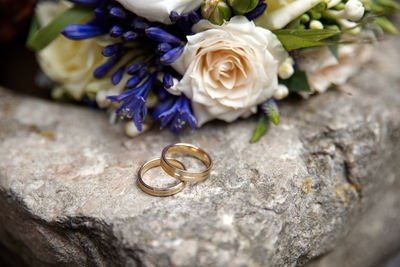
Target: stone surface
{"x":68,"y":195}
{"x":374,"y":240}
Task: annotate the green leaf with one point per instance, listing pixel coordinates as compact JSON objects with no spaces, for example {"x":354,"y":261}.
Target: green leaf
{"x":297,"y":82}
{"x":386,"y":25}
{"x":274,"y":116}
{"x":311,"y":34}
{"x":261,"y":128}
{"x":294,"y":24}
{"x":334,"y":48}
{"x":34,"y":27}
{"x":271,"y":110}
{"x":294,"y":42}
{"x":293,"y":39}
{"x":389,"y":4}
{"x":39,"y":39}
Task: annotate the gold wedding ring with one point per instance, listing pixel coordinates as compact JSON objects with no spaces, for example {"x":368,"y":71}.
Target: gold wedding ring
{"x":160,"y":192}
{"x":181,"y":173}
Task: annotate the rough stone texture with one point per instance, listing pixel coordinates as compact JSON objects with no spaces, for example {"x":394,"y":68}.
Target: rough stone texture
{"x":374,"y":240}
{"x":68,"y":195}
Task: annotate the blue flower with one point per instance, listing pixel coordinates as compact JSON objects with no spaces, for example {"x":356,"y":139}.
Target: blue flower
{"x":176,"y":112}
{"x":158,"y":43}
{"x":134,"y":102}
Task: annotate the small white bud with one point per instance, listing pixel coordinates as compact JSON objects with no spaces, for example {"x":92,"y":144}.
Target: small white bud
{"x":354,"y":10}
{"x":132,"y":131}
{"x":101,"y":99}
{"x":286,"y":69}
{"x":281,"y":92}
{"x":316,"y":24}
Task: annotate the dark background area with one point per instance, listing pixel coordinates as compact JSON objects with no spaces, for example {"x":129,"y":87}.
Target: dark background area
{"x":18,"y":66}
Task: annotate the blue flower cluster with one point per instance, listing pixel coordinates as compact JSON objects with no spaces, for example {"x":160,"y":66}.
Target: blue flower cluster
{"x":161,"y":45}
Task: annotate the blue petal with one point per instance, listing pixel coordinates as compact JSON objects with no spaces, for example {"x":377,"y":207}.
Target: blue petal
{"x":166,"y":117}
{"x":184,"y":23}
{"x":142,"y":72}
{"x":130,"y":36}
{"x":174,"y":16}
{"x":144,"y":89}
{"x":100,"y":12}
{"x":112,"y":49}
{"x":133,"y":82}
{"x":133,"y":68}
{"x":160,"y":35}
{"x":162,"y":107}
{"x":117,"y":76}
{"x":172,"y":55}
{"x":119,"y":13}
{"x":163,"y":48}
{"x":82,"y":31}
{"x":177,"y":114}
{"x":255,"y":13}
{"x":106,"y":67}
{"x":116,"y":31}
{"x":195,"y":17}
{"x":162,"y":93}
{"x":113,"y":98}
{"x":84,"y":2}
{"x":138,"y":24}
{"x":168,"y":81}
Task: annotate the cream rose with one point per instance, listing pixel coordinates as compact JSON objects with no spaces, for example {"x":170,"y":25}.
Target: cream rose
{"x":324,"y":70}
{"x":227,"y":70}
{"x":159,"y":10}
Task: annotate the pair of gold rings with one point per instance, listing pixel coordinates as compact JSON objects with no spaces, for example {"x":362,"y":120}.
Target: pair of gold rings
{"x":175,"y":169}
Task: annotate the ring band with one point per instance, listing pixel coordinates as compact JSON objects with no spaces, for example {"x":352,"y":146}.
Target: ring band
{"x":159,"y":192}
{"x":183,"y":174}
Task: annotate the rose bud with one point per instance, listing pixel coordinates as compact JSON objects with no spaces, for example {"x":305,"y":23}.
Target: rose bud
{"x":216,"y":11}
{"x":243,"y":6}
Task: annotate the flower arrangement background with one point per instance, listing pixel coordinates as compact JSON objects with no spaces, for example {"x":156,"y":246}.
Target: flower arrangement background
{"x":179,"y":62}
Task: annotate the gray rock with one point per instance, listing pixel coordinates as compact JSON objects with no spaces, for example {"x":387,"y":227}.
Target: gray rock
{"x":374,"y":239}
{"x":68,"y":195}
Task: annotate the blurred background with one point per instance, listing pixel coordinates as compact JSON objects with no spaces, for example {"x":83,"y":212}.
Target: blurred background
{"x":18,"y":66}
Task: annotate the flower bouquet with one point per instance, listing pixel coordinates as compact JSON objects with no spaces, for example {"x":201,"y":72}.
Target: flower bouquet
{"x":187,"y":62}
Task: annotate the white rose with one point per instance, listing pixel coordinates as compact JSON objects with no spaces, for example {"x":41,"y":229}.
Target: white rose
{"x":159,"y":10}
{"x":71,"y":63}
{"x":46,"y":11}
{"x":324,"y":70}
{"x":68,"y":62}
{"x":229,"y":69}
{"x":280,"y":12}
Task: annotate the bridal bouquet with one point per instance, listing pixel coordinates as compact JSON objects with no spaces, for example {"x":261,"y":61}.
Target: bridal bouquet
{"x":187,"y":62}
